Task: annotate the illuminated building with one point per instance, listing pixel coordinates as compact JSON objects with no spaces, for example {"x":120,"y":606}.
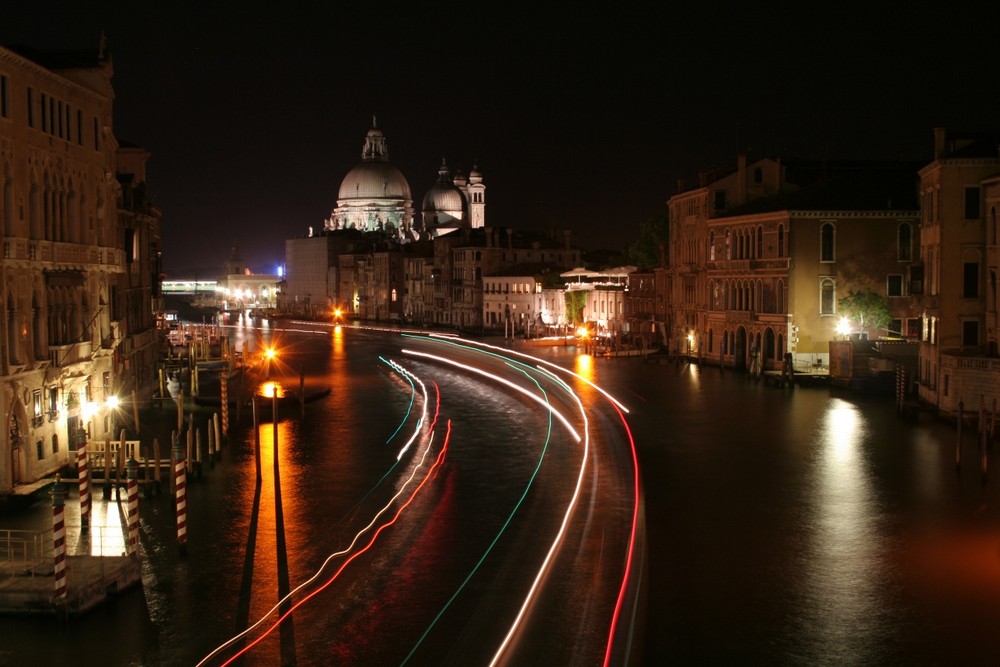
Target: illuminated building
{"x":761,"y":255}
{"x":960,"y":201}
{"x":80,"y":260}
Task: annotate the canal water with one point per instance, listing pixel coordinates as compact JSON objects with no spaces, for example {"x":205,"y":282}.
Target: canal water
{"x":786,"y":526}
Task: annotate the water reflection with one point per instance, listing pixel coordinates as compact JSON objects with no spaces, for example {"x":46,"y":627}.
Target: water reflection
{"x":271,"y":389}
{"x":584,"y":366}
{"x":841,"y":601}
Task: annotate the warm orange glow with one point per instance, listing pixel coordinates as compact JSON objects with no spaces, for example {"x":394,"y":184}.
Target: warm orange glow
{"x":584,"y":366}
{"x":269,"y":388}
{"x":582,"y":332}
{"x":270,"y":353}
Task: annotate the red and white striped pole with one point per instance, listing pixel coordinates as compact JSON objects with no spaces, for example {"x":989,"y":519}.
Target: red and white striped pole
{"x":180,"y":494}
{"x":225,"y":404}
{"x":59,"y":539}
{"x":133,"y":506}
{"x":83,"y":473}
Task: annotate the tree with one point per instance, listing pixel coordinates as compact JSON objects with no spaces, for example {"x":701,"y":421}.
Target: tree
{"x":645,"y":251}
{"x":575,"y":302}
{"x":867,"y":308}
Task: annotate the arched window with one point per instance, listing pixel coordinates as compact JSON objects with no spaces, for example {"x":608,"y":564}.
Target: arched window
{"x":760,"y":243}
{"x":827,"y":296}
{"x":904,"y":242}
{"x":826,"y":241}
{"x":711,"y":341}
{"x":729,"y":252}
{"x":779,"y":297}
{"x":769,"y":343}
{"x":711,"y":245}
{"x":781,"y":240}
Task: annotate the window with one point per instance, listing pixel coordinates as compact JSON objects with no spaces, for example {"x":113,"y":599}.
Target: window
{"x":31,"y":107}
{"x":895,"y":328}
{"x":827,"y":296}
{"x":970,"y":333}
{"x":904,"y":242}
{"x":720,"y":200}
{"x":894,"y":285}
{"x":4,"y":97}
{"x":970,"y":280}
{"x":916,"y":280}
{"x":913,"y":327}
{"x":37,"y":405}
{"x":781,"y":240}
{"x":972,"y":203}
{"x":826,"y":239}
{"x":711,"y":246}
{"x":55,"y":443}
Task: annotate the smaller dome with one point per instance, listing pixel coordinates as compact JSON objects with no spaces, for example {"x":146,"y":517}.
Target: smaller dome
{"x":475,"y":176}
{"x":444,"y":196}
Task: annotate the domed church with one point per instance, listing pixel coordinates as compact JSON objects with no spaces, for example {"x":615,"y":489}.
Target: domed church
{"x":375,"y":197}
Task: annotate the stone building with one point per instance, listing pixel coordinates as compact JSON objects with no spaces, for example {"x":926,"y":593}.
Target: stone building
{"x":763,"y":255}
{"x":960,"y":200}
{"x":80,"y":266}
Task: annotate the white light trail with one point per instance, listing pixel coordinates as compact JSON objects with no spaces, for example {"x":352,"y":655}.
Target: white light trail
{"x":497,"y":378}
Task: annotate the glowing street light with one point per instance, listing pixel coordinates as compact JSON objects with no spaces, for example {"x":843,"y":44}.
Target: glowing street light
{"x":844,"y":327}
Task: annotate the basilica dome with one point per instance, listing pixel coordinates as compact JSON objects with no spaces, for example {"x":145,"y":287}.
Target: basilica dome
{"x":374,"y":180}
{"x":374,"y":196}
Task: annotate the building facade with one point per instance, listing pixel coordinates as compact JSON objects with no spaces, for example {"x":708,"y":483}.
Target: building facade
{"x":80,"y":261}
{"x":960,"y":199}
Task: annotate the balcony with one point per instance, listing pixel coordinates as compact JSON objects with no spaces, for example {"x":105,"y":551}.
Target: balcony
{"x":73,"y":353}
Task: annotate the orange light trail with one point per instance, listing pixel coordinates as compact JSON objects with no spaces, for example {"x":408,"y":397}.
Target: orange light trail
{"x":431,"y":473}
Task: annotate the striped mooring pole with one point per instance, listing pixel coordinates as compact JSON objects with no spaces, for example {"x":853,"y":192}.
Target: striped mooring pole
{"x":59,"y":539}
{"x":180,"y":494}
{"x":132,"y":468}
{"x":224,"y":385}
{"x":83,"y":473}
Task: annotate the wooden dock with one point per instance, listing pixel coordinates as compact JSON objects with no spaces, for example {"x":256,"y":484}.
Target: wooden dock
{"x":27,"y":571}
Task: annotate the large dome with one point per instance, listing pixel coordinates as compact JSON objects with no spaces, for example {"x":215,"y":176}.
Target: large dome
{"x":374,"y":180}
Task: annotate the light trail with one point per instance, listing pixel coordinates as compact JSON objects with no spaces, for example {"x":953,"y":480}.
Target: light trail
{"x":423,"y":414}
{"x":497,"y":378}
{"x":630,"y":554}
{"x":503,"y":528}
{"x":537,"y":360}
{"x":413,"y":393}
{"x":437,"y":462}
{"x":636,"y":481}
{"x":331,"y":557}
{"x":546,"y":562}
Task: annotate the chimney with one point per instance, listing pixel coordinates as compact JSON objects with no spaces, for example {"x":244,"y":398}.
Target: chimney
{"x":940,"y":137}
{"x":741,"y":181}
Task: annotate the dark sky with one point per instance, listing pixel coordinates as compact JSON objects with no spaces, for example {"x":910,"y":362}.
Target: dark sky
{"x":586,"y":119}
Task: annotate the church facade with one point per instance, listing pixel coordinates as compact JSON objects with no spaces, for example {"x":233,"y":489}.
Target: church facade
{"x":376,"y":197}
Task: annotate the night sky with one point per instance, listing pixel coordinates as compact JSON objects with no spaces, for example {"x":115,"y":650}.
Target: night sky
{"x":584,"y":120}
